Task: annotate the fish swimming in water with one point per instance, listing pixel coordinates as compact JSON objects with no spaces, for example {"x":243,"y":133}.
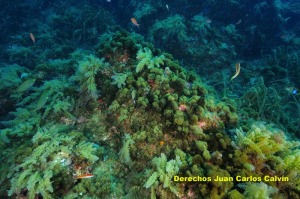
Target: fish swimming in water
{"x":133,"y":20}
{"x":25,"y":85}
{"x":237,"y":70}
{"x":83,"y":176}
{"x":42,"y":100}
{"x":292,"y":90}
{"x":32,"y":37}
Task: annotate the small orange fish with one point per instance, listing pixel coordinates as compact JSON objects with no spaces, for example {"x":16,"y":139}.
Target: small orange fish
{"x":133,"y":20}
{"x":32,"y":37}
{"x":83,"y":176}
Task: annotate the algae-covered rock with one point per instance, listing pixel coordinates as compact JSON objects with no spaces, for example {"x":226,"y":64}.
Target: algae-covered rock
{"x":179,"y":117}
{"x":153,"y":120}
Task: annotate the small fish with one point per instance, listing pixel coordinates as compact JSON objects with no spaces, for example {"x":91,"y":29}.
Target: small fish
{"x":167,"y":7}
{"x":286,"y":19}
{"x":292,"y":90}
{"x":32,"y":37}
{"x":42,"y":100}
{"x":133,"y":20}
{"x":238,"y":22}
{"x":25,"y":85}
{"x":208,"y":21}
{"x":83,"y":176}
{"x":237,"y":70}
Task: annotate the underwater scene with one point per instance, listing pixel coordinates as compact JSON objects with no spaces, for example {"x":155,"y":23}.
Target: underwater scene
{"x":158,"y":99}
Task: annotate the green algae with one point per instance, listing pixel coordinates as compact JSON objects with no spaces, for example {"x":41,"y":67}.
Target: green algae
{"x":146,"y":58}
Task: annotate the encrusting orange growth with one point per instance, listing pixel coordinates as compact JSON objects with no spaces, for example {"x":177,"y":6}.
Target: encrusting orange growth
{"x":161,"y":143}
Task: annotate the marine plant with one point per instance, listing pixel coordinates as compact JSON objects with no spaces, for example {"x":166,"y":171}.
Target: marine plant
{"x":259,"y":190}
{"x":125,"y":150}
{"x":119,"y":79}
{"x":266,"y":150}
{"x":144,"y":10}
{"x":87,"y":69}
{"x":80,"y":22}
{"x":163,"y":174}
{"x":173,"y":29}
{"x":200,"y":25}
{"x":50,"y":162}
{"x":271,"y":103}
{"x":146,"y":58}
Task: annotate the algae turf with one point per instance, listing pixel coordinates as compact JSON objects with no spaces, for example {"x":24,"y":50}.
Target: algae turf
{"x":134,"y":118}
